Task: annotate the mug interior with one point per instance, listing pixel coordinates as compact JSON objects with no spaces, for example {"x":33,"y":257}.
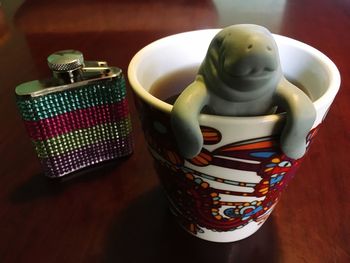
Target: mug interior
{"x":302,"y":63}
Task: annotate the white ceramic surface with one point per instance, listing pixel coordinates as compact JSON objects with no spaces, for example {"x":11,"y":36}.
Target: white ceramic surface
{"x":300,"y":62}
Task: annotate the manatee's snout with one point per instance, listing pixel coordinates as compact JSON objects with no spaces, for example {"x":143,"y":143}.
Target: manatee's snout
{"x":256,"y":56}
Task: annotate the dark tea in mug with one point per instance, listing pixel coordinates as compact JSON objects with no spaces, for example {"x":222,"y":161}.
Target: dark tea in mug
{"x":168,"y":87}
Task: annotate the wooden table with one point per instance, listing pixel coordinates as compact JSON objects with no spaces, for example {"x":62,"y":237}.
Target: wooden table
{"x":118,"y":213}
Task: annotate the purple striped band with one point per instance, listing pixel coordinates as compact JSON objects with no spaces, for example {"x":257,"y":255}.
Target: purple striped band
{"x":92,"y":154}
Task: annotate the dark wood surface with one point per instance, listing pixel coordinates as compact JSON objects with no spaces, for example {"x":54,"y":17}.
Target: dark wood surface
{"x":118,"y":213}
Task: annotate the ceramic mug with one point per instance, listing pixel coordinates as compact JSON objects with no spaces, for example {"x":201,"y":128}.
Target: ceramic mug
{"x":228,"y":191}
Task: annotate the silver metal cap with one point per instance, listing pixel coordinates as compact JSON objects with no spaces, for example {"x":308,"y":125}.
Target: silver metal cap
{"x":65,"y":60}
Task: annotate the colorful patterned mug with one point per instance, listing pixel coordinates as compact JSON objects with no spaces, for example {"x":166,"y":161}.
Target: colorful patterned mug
{"x":228,"y":191}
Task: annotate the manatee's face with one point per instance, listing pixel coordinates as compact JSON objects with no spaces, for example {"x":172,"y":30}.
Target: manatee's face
{"x":245,"y":57}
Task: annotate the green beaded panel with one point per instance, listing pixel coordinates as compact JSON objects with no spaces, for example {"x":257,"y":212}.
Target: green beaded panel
{"x":80,"y":138}
{"x":98,"y":93}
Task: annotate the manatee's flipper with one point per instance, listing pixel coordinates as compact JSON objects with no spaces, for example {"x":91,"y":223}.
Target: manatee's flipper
{"x":301,"y":115}
{"x":184,"y":118}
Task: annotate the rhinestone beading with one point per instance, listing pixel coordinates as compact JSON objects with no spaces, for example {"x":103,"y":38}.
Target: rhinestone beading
{"x":77,"y":128}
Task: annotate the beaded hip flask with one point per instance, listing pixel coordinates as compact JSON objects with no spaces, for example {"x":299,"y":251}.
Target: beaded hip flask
{"x":77,"y":118}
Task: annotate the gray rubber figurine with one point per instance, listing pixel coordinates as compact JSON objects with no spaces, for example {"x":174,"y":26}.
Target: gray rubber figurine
{"x":241,"y":76}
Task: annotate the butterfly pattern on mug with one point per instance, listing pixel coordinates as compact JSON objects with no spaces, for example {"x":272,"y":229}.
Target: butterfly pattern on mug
{"x":202,"y":200}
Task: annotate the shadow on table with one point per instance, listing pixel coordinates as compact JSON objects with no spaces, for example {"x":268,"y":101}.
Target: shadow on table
{"x":39,"y":186}
{"x":146,"y":232}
